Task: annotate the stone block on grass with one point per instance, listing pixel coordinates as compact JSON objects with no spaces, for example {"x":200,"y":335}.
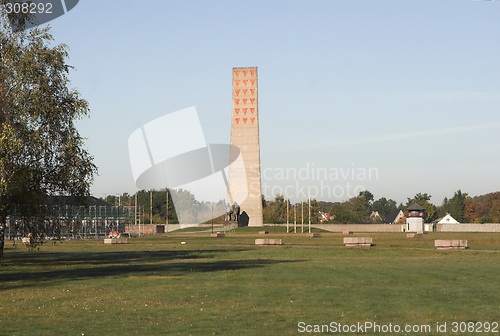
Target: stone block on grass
{"x":313,"y":235}
{"x":217,"y":235}
{"x":450,"y":244}
{"x":120,"y":240}
{"x":262,"y":241}
{"x":358,"y":241}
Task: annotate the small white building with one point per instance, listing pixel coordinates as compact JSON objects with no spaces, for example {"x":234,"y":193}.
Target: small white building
{"x":447,"y":219}
{"x":415,"y":219}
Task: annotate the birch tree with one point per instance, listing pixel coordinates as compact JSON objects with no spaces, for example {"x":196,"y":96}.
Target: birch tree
{"x":41,"y":151}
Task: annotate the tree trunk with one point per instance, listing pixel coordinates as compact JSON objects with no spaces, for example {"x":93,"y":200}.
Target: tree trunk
{"x":2,"y":238}
{"x":3,"y":225}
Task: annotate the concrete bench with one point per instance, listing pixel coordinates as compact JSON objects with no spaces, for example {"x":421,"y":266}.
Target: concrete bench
{"x":414,"y":235}
{"x":313,"y":235}
{"x":347,"y":232}
{"x":217,"y":235}
{"x":115,"y":240}
{"x":261,"y":241}
{"x":358,"y":241}
{"x":453,"y":244}
{"x":263,"y":232}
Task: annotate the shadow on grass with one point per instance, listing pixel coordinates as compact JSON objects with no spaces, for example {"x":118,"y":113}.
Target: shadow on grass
{"x":104,"y":258}
{"x":52,"y":268}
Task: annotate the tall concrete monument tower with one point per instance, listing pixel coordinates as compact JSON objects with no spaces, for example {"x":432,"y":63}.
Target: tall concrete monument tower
{"x":245,"y":135}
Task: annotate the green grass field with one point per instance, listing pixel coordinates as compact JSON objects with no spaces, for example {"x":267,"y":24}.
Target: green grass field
{"x":229,"y":286}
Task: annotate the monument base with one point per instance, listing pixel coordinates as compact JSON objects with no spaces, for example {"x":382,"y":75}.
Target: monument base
{"x":230,"y":224}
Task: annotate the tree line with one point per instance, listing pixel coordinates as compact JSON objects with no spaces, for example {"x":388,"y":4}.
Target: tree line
{"x":361,"y":209}
{"x":356,"y":210}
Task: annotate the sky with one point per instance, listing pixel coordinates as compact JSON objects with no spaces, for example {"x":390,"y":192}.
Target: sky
{"x":397,"y":97}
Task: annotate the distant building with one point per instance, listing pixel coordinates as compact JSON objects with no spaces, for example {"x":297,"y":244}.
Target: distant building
{"x":416,"y":218}
{"x":323,"y":217}
{"x":446,"y":219}
{"x":396,"y":216}
{"x":375,"y":217}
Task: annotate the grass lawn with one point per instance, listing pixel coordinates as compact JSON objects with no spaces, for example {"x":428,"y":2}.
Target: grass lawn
{"x":228,"y":286}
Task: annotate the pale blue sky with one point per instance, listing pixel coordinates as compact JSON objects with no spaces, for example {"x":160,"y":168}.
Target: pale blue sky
{"x":409,"y":88}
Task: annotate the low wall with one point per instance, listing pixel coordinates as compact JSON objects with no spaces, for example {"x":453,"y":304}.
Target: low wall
{"x":464,"y":227}
{"x":149,"y":229}
{"x":172,"y":227}
{"x":360,"y":227}
{"x":141,"y":229}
